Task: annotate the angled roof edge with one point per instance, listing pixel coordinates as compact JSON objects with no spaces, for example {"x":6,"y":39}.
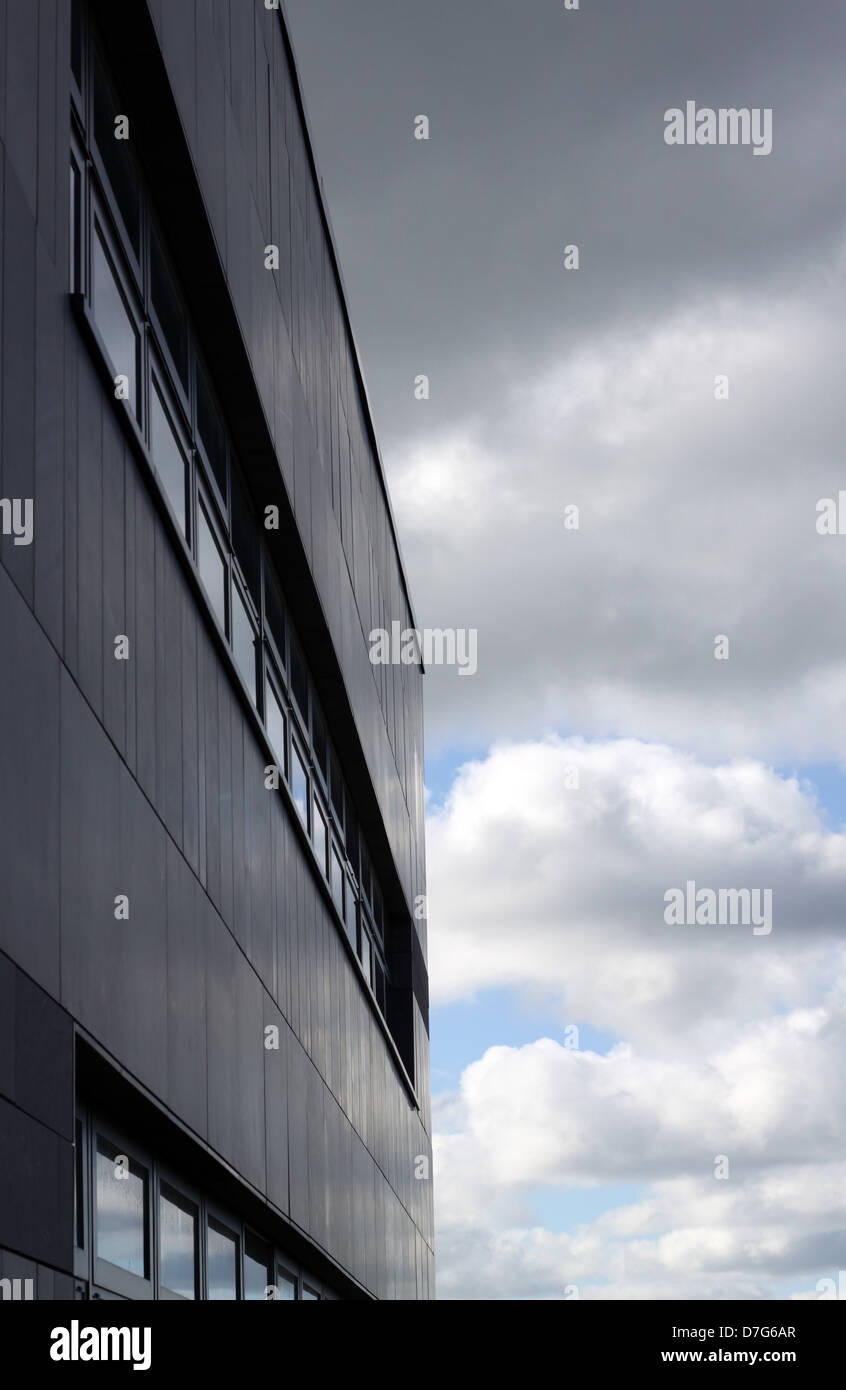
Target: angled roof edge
{"x":336,"y":264}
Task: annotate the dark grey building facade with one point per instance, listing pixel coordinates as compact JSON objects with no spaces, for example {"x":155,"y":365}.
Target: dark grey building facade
{"x":214,"y":1077}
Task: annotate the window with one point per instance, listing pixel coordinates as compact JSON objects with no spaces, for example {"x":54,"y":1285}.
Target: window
{"x":318,"y":742}
{"x":221,"y":1262}
{"x":245,"y":535}
{"x":336,"y":869}
{"x":79,"y":1183}
{"x":168,"y":307}
{"x":210,"y":431}
{"x":274,"y":612}
{"x":337,"y":789}
{"x":318,"y":833}
{"x":379,"y":986}
{"x":299,"y":783}
{"x":116,"y":154}
{"x":112,"y":318}
{"x":122,"y":1200}
{"x":309,"y":1294}
{"x":76,"y":41}
{"x":168,"y":456}
{"x":257,"y":1276}
{"x":299,"y":679}
{"x":350,"y":912}
{"x":351,"y":835}
{"x":178,"y":1258}
{"x":75,"y":208}
{"x":365,"y":952}
{"x":154,"y":1237}
{"x":277,"y":726}
{"x":212,"y":565}
{"x":244,"y":640}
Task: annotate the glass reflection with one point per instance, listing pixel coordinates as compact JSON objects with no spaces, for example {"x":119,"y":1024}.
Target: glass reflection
{"x":211,"y":564}
{"x":112,"y":318}
{"x":178,"y":1236}
{"x":221,"y":1263}
{"x":121,"y":1210}
{"x":168,"y":457}
{"x":243,"y":641}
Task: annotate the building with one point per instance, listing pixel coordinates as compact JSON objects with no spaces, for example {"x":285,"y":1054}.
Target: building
{"x":213,"y":988}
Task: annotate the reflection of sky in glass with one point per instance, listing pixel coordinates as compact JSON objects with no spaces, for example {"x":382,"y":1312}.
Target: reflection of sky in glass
{"x":318,"y":834}
{"x":349,"y":913}
{"x":212,"y":568}
{"x":243,"y":642}
{"x":299,"y":785}
{"x":120,"y":1217}
{"x":111,"y":317}
{"x":276,"y":727}
{"x":222,"y":1256}
{"x":168,"y":457}
{"x":178,"y":1253}
{"x":337,"y":882}
{"x":256,"y":1278}
{"x":286,"y":1289}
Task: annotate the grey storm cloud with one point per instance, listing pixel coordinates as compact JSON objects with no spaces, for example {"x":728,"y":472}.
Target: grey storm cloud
{"x":596,"y":387}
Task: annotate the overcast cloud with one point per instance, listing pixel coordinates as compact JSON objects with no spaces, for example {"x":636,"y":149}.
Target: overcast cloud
{"x":697,"y":519}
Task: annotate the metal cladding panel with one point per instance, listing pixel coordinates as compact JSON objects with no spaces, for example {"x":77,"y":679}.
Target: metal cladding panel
{"x":144,"y":779}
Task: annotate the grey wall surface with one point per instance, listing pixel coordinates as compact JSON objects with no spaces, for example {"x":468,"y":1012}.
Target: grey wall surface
{"x":146,"y":777}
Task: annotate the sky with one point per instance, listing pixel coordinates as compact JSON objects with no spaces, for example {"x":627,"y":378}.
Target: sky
{"x":623,"y":1107}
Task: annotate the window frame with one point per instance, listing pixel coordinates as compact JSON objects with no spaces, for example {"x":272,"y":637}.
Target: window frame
{"x":98,"y":220}
{"x":165,"y":1177}
{"x":104,"y":1273}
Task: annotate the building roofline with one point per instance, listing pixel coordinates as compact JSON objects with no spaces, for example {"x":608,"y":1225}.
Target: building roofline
{"x":336,"y":265}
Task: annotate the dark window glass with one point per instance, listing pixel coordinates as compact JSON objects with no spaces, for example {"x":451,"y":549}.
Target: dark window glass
{"x":337,"y":872}
{"x":212,"y":565}
{"x":73,"y":229}
{"x":318,"y":833}
{"x":337,"y":788}
{"x":365,"y":953}
{"x":245,"y":535}
{"x":79,"y":1185}
{"x":178,"y":1243}
{"x":350,"y":913}
{"x":257,"y":1278}
{"x":171,"y":464}
{"x":76,"y":41}
{"x":122,"y":1205}
{"x":365,"y":873}
{"x":299,"y":678}
{"x":244,"y":641}
{"x":168,"y":307}
{"x":113,"y":319}
{"x":319,"y":741}
{"x":310,"y":1294}
{"x":377,"y":909}
{"x":210,"y":430}
{"x":274,"y":610}
{"x":277,"y":726}
{"x":299,"y":784}
{"x":351,"y":833}
{"x":117,"y":155}
{"x":221,"y":1262}
{"x":286,"y":1287}
{"x":379,"y":982}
